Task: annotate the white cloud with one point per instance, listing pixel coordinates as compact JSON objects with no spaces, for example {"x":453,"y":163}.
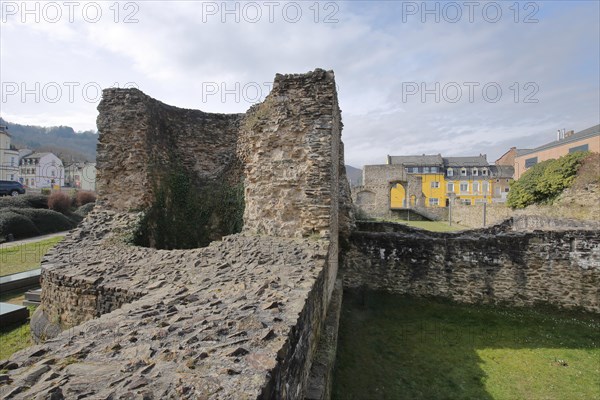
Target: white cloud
{"x":172,"y":54}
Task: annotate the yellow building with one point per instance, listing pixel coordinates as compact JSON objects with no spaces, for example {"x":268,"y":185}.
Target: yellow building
{"x":444,"y":180}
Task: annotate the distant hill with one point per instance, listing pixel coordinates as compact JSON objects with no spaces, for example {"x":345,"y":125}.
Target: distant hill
{"x":61,"y":140}
{"x":354,"y":175}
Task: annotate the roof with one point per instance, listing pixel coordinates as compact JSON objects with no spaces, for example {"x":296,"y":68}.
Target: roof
{"x":476,"y":161}
{"x":37,"y":155}
{"x":584,"y":134}
{"x":429,"y":160}
{"x":502,"y":171}
{"x":520,"y":152}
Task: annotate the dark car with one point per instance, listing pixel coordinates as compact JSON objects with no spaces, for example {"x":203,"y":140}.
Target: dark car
{"x":11,"y":188}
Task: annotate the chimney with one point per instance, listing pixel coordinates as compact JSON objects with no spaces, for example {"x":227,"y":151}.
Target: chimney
{"x":558,"y":134}
{"x":569,"y":133}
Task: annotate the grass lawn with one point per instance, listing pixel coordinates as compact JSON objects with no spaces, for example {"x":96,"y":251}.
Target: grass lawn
{"x":26,"y":256}
{"x":394,"y":347}
{"x":14,"y":338}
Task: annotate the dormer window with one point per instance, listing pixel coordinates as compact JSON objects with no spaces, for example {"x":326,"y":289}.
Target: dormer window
{"x":475,"y":172}
{"x":450,"y":172}
{"x":463,"y":172}
{"x":484,"y":172}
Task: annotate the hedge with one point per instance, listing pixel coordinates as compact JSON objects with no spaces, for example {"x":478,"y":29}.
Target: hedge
{"x":24,"y":201}
{"x":44,"y":221}
{"x":19,"y":225}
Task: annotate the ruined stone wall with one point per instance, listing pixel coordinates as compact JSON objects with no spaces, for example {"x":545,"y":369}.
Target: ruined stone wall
{"x":519,"y":268}
{"x":472,"y":216}
{"x":537,"y":222}
{"x":289,"y":145}
{"x":373,"y":197}
{"x":573,"y":204}
{"x":141,"y":139}
{"x":240,"y":318}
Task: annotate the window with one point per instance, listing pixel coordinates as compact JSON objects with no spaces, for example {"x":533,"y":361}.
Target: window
{"x":425,"y":170}
{"x":463,"y":172}
{"x":530,"y":162}
{"x":12,"y":161}
{"x":484,"y":172}
{"x":584,"y":147}
{"x":485,"y":187}
{"x":475,"y":187}
{"x":450,"y":187}
{"x":450,"y":172}
{"x":433,"y":202}
{"x":434,"y":170}
{"x":464,"y":187}
{"x":435,"y":185}
{"x":475,"y":172}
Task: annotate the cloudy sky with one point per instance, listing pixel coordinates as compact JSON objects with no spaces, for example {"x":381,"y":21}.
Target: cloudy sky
{"x":456,"y":78}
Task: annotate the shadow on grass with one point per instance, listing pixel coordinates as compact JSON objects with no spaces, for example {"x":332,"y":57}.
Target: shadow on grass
{"x":14,"y":337}
{"x":395,"y":347}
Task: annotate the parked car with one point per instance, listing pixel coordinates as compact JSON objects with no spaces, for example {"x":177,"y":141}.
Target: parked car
{"x":11,"y":188}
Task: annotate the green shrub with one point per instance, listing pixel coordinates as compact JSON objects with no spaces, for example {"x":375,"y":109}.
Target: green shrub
{"x":59,"y":201}
{"x":84,"y":197}
{"x":19,"y":225}
{"x":85,"y":209}
{"x":74,"y":217}
{"x":187,"y":214}
{"x":46,"y":221}
{"x":543,"y":182}
{"x":46,"y":191}
{"x":25,"y":201}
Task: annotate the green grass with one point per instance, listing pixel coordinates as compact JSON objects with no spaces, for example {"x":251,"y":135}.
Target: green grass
{"x":14,"y":338}
{"x":25,"y":257}
{"x":393,"y":347}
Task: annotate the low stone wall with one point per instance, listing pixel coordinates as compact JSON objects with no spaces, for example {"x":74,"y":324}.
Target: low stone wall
{"x":519,"y":268}
{"x":434,"y":213}
{"x":537,"y":222}
{"x":238,"y":319}
{"x":571,"y":205}
{"x":472,"y":216}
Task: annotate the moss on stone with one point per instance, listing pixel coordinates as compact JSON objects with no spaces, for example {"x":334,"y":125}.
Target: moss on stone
{"x":187,"y":214}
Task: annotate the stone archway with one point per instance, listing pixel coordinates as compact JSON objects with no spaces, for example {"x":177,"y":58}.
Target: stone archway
{"x":397,"y":195}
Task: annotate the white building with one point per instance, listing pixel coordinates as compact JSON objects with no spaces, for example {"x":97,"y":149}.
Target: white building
{"x":81,"y":175}
{"x":9,"y":157}
{"x":42,"y":170}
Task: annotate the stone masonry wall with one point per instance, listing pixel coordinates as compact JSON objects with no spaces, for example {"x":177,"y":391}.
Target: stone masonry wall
{"x":519,"y":268}
{"x":239,"y":319}
{"x":472,"y":216}
{"x":287,"y":144}
{"x":576,"y":205}
{"x":373,"y":197}
{"x":141,"y":138}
